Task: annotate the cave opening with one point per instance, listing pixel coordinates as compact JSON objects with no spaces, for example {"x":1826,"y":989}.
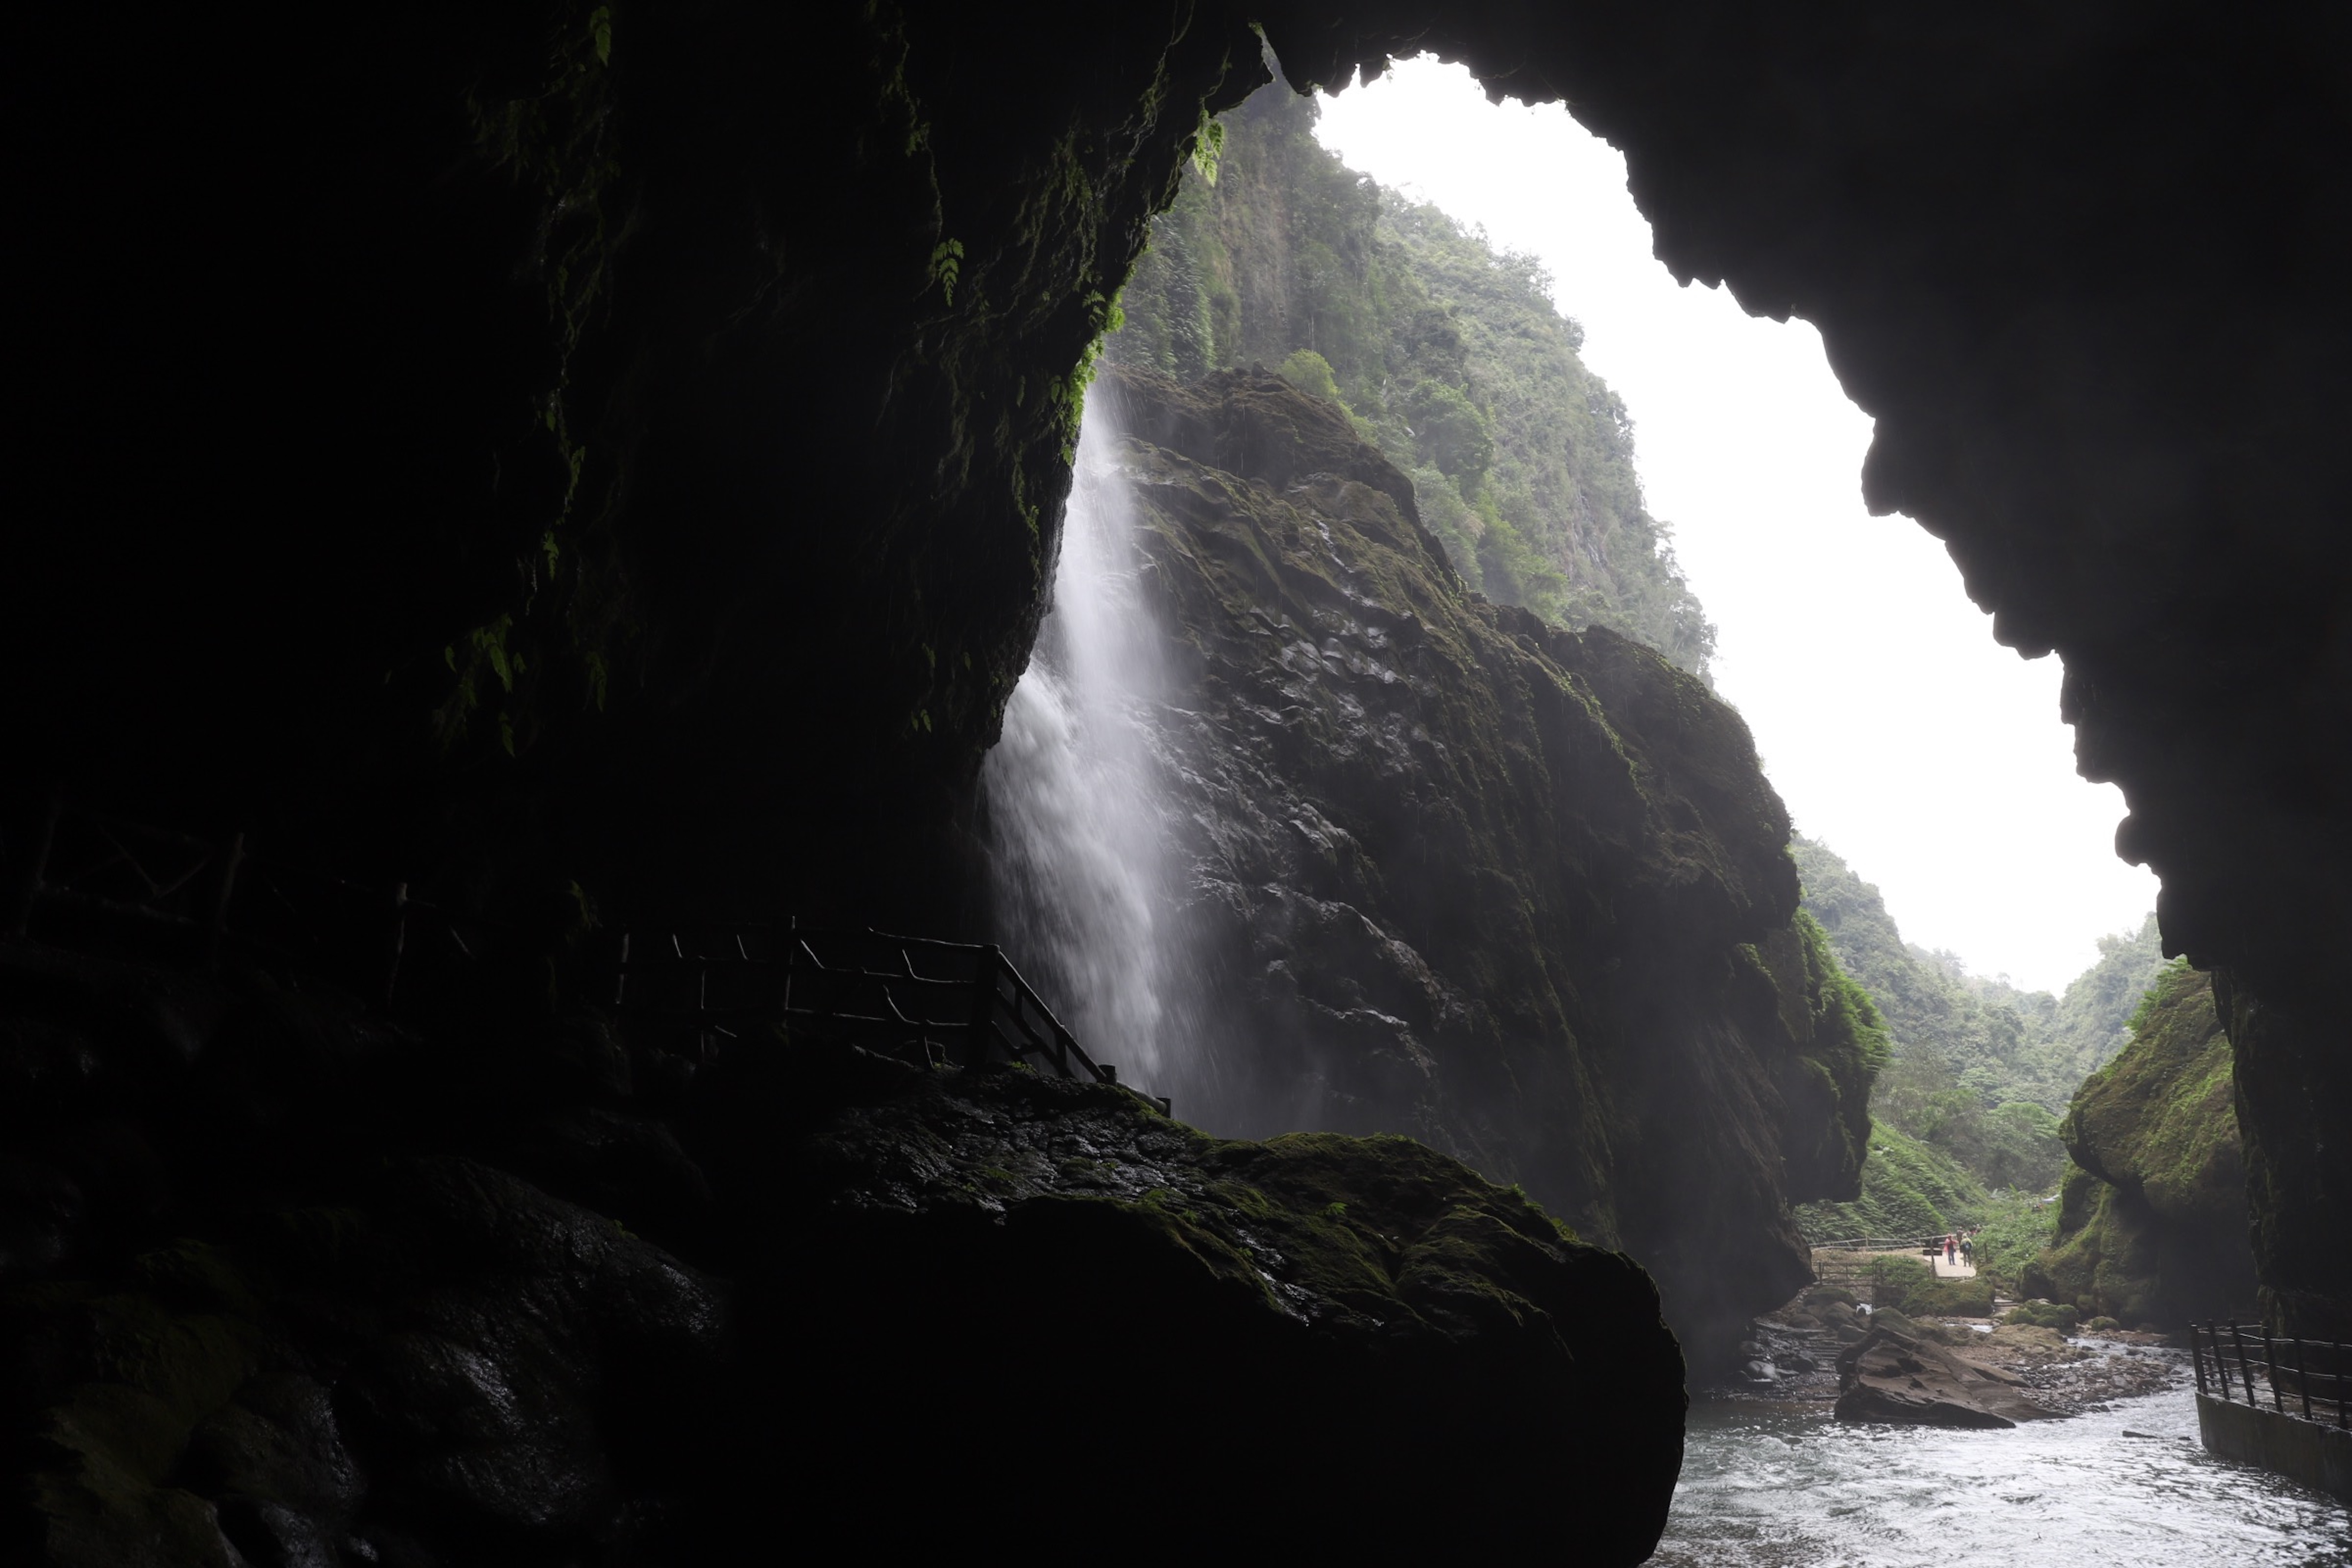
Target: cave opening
{"x":547,"y":475}
{"x":1386,"y":253}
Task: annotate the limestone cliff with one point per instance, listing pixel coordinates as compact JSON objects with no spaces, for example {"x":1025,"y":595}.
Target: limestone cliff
{"x":2152,"y":1226}
{"x":1521,"y":892}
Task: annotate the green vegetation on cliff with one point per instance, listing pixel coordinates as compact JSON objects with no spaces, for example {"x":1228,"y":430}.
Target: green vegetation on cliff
{"x":1908,"y":1188}
{"x":1446,"y":352}
{"x":2152,"y":1220}
{"x":1979,"y":1069}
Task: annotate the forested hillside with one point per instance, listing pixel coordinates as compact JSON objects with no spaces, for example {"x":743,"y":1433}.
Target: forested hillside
{"x":1446,"y":352}
{"x":1979,"y":1070}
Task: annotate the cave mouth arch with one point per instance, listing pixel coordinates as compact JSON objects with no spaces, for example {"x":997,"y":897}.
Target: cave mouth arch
{"x":1748,"y":446}
{"x":785,"y":377}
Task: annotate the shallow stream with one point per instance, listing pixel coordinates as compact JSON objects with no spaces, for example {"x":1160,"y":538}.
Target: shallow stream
{"x":1783,"y":1486}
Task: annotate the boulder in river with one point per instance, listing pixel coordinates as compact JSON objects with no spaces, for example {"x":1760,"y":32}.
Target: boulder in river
{"x":1891,"y":1377}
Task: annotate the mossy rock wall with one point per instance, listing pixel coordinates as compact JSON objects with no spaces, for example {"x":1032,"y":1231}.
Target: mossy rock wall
{"x":1522,"y":892}
{"x":2152,"y":1220}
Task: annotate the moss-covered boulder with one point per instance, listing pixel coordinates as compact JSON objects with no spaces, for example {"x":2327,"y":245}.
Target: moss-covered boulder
{"x":1458,"y":873}
{"x":1094,"y":1319}
{"x":2152,"y":1218}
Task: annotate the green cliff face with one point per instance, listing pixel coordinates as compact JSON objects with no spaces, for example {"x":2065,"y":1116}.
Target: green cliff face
{"x":1446,"y":352}
{"x":2152,"y":1223}
{"x":1519,"y":891}
{"x":1908,"y":1189}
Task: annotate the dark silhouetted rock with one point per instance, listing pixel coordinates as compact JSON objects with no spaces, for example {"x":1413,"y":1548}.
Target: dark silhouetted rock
{"x":996,"y":1263}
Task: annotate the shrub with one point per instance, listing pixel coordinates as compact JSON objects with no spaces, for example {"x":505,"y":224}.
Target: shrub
{"x":1311,"y":374}
{"x":1951,"y":1298}
{"x":2045,"y":1315}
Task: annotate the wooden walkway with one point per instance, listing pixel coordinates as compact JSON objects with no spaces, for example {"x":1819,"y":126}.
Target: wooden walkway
{"x":936,"y":1003}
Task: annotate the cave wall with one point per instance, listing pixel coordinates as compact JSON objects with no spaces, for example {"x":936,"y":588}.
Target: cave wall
{"x":358,"y":360}
{"x":560,"y":442}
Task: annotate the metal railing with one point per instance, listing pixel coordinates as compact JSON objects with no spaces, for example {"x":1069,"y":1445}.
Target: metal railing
{"x":2214,"y":1347}
{"x":81,"y":877}
{"x":941,"y":1003}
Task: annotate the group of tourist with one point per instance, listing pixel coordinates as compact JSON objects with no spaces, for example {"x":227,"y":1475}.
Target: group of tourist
{"x":1958,"y":1247}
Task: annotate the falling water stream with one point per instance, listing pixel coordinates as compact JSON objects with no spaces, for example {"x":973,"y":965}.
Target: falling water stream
{"x":1085,"y":879}
{"x":1767,"y":1486}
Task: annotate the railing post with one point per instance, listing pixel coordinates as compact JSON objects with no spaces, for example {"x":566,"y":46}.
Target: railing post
{"x":2245,"y":1368}
{"x":397,"y":940}
{"x":984,"y":1003}
{"x":37,"y":863}
{"x":702,"y":1009}
{"x":2196,"y":1356}
{"x":2303,"y":1375}
{"x":223,"y":890}
{"x":2270,"y":1360}
{"x":2336,"y":1355}
{"x":791,"y":962}
{"x":2220,"y":1363}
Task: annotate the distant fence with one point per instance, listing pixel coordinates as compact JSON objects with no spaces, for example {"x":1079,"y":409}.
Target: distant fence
{"x":2230,"y":1360}
{"x":939,"y":1002}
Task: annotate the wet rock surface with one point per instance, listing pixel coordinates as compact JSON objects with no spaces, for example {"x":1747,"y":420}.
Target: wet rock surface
{"x":1807,"y":1353}
{"x":1887,"y":1375}
{"x":277,"y":1308}
{"x":1339,"y":1319}
{"x":1519,"y":891}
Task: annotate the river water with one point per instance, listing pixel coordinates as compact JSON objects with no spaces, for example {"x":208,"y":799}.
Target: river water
{"x":1767,"y":1486}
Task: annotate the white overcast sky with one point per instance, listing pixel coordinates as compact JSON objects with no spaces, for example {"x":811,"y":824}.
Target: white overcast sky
{"x":1898,"y":731}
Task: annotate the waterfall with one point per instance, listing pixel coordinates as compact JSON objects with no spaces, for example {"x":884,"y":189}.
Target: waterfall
{"x":1084,"y":874}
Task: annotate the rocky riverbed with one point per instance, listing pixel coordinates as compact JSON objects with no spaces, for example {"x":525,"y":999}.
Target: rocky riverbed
{"x":1793,"y":1355}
